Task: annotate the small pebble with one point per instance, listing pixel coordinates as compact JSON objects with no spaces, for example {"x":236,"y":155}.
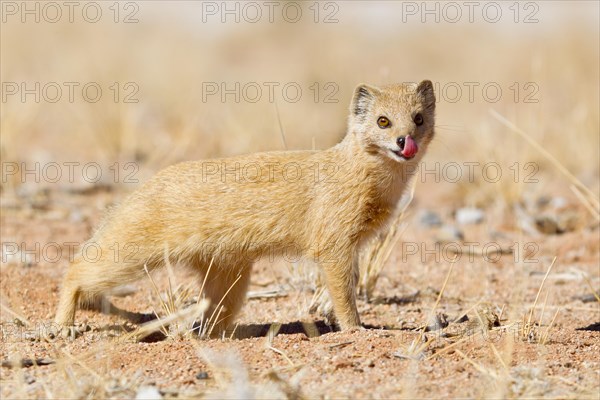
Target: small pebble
{"x":587,"y":298}
{"x":430,"y":219}
{"x":148,"y":393}
{"x":29,"y":379}
{"x":202,"y":375}
{"x":449,"y":234}
{"x":437,"y":322}
{"x":76,"y":216}
{"x":469,"y":215}
{"x":568,"y":221}
{"x":558,"y":202}
{"x":547,"y":224}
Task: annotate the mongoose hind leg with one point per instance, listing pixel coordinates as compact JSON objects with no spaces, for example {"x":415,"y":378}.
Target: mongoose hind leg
{"x":226,"y":289}
{"x":87,"y":281}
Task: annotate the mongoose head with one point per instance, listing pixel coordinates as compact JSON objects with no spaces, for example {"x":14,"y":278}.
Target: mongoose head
{"x":396,"y":121}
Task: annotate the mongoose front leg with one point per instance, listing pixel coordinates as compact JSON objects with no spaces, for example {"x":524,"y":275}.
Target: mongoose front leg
{"x":65,"y":315}
{"x":341,"y":282}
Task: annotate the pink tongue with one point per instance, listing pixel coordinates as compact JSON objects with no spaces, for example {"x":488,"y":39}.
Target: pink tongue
{"x":410,"y":147}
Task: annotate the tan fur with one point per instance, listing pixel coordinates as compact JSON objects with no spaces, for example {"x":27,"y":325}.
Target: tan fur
{"x":232,"y":211}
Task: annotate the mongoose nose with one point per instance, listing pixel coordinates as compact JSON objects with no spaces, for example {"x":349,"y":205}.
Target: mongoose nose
{"x":408,"y":146}
{"x":401,"y":142}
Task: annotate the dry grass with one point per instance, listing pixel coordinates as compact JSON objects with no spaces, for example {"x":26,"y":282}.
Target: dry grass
{"x":233,"y":381}
{"x":528,"y":330}
{"x":373,"y":257}
{"x":182,"y":316}
{"x":417,"y":348}
{"x":587,"y":196}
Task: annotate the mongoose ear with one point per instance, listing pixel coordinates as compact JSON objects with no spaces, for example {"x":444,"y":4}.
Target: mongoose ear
{"x":363,"y":97}
{"x":425,"y":90}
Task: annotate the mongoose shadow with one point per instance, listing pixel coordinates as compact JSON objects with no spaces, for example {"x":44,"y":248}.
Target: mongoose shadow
{"x":310,"y":329}
{"x":595,"y":327}
{"x":248,"y":331}
{"x":240,"y":331}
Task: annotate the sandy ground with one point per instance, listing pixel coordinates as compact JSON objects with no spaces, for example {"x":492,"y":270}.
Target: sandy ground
{"x":302,"y":356}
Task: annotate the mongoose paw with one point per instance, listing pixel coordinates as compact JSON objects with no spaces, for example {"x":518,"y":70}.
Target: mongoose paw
{"x":47,"y":333}
{"x":54,"y":332}
{"x":74,"y":331}
{"x":354,"y":329}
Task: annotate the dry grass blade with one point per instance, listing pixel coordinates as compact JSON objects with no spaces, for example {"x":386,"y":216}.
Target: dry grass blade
{"x":283,"y":141}
{"x":594,"y":292}
{"x":229,"y":374}
{"x":376,"y":254}
{"x":233,"y":381}
{"x":417,"y":347}
{"x":280,"y":352}
{"x":527,"y":330}
{"x":464,"y":339}
{"x":161,"y":323}
{"x":593,"y":199}
{"x":540,"y":291}
{"x":206,"y":277}
{"x":543,"y":309}
{"x":163,"y":304}
{"x":15,"y":314}
{"x":498,"y":356}
{"x":464,"y":314}
{"x":266,"y":294}
{"x":545,"y":336}
{"x":171,"y":279}
{"x":585,"y":201}
{"x":338,"y":345}
{"x":81,"y":364}
{"x":501,"y":312}
{"x":484,"y":325}
{"x":478,"y":366}
{"x":175,"y":299}
{"x":448,"y":348}
{"x":273,"y":329}
{"x":437,"y":301}
{"x":212,"y":321}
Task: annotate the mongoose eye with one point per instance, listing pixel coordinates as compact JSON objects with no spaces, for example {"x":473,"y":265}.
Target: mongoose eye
{"x":418,"y":119}
{"x":383,"y":122}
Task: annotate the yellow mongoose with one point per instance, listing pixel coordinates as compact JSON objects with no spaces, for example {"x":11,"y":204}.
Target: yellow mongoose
{"x":229,"y":212}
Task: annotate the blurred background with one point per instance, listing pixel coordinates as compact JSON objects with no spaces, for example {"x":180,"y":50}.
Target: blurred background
{"x":157,"y":82}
